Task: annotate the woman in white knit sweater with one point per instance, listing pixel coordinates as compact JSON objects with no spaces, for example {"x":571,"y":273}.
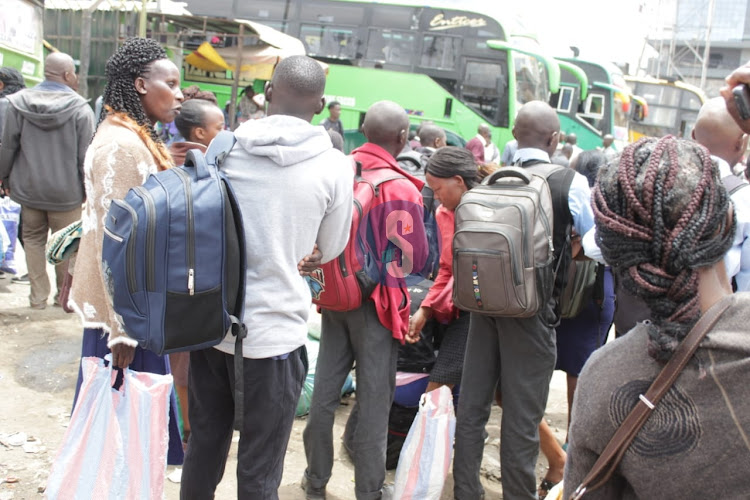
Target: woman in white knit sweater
{"x":143,"y":87}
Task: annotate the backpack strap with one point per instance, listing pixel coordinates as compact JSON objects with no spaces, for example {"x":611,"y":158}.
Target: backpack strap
{"x":217,"y":152}
{"x":732,"y":183}
{"x":239,"y":330}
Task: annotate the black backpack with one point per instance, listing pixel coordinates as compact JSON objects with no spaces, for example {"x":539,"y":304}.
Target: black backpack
{"x":415,"y":163}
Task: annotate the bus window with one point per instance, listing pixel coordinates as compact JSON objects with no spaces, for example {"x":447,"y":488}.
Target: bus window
{"x":483,"y":87}
{"x":565,"y":99}
{"x":393,"y":17}
{"x":621,"y":114}
{"x":691,"y":101}
{"x":661,"y":117}
{"x":266,"y":10}
{"x":531,"y":81}
{"x":325,"y":12}
{"x":393,"y":47}
{"x":595,"y":105}
{"x":593,"y":111}
{"x":440,"y":52}
{"x":329,"y":41}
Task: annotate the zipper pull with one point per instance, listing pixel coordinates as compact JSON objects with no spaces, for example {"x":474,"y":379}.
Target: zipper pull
{"x":191,"y":281}
{"x":551,"y":246}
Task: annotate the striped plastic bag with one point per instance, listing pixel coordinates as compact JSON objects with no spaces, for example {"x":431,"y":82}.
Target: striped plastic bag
{"x":115,"y":446}
{"x":426,"y":456}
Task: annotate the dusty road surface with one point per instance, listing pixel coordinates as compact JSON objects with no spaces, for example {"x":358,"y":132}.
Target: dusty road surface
{"x":39,"y":357}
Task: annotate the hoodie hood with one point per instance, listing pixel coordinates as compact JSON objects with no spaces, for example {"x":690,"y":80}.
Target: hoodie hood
{"x":285,"y":140}
{"x":47,"y":110}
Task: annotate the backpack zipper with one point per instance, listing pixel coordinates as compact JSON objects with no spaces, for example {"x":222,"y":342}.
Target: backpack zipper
{"x":342,"y":257}
{"x":524,"y":222}
{"x":545,"y":220}
{"x":516,"y":276}
{"x":130,"y":250}
{"x":190,"y":229}
{"x":148,"y":203}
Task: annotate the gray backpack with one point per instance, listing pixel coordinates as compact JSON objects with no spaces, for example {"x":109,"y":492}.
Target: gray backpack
{"x":503,"y":245}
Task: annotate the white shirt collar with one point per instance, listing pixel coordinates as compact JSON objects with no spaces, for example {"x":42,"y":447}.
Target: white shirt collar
{"x":724,"y":168}
{"x":526,"y":154}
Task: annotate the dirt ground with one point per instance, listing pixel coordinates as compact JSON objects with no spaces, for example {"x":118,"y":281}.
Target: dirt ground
{"x":39,"y":356}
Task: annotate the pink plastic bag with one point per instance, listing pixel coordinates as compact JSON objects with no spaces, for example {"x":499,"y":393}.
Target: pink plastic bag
{"x":426,"y":456}
{"x":116,"y":444}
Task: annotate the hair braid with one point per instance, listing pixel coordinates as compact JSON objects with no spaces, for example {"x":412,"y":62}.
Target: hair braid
{"x":130,"y":61}
{"x":661,"y":214}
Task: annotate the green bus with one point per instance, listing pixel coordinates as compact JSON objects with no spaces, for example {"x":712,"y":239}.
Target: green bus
{"x":458,"y":64}
{"x":672,"y":107}
{"x":594,"y":101}
{"x":21,"y":38}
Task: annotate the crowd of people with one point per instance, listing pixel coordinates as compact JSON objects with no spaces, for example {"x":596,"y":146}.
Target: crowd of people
{"x":666,"y":221}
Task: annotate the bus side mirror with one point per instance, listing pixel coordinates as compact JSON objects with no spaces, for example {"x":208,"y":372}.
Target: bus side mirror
{"x":639,"y":112}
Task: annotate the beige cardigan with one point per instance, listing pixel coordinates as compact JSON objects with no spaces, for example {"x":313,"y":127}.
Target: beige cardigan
{"x":122,"y":155}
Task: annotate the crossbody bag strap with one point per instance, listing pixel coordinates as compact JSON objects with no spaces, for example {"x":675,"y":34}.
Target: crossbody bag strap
{"x":618,"y":445}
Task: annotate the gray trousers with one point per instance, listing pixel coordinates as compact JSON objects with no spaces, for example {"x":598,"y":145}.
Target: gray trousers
{"x":346,"y":337}
{"x":518,"y":356}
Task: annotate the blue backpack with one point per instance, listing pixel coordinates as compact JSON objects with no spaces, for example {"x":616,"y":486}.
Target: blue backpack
{"x":174,"y":256}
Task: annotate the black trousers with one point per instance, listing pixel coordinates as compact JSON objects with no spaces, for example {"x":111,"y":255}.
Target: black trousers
{"x":272,"y":389}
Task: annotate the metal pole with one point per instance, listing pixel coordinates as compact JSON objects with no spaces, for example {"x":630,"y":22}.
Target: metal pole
{"x":707,"y":48}
{"x":236,"y":82}
{"x":142,"y":20}
{"x":83,"y":70}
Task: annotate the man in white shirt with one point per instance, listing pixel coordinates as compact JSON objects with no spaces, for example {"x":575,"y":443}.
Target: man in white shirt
{"x":718,"y":132}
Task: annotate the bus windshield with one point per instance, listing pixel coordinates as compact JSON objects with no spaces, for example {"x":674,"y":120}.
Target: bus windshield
{"x":673,"y":108}
{"x":531,"y":79}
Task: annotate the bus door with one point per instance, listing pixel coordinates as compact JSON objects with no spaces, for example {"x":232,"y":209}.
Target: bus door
{"x":484,"y":88}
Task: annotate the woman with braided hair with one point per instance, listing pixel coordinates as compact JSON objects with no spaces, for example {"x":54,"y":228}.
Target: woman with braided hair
{"x":451,"y":171}
{"x":143,"y":87}
{"x":664,"y":223}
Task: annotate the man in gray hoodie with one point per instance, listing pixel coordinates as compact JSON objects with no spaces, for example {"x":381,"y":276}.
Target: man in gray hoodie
{"x":295,"y":192}
{"x":45,"y":136}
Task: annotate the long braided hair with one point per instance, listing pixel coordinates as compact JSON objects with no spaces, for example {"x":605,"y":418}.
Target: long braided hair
{"x":660,"y":214}
{"x":130,"y":61}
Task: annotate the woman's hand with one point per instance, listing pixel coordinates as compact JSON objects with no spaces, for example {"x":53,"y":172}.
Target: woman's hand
{"x":416,"y":323}
{"x":122,"y":355}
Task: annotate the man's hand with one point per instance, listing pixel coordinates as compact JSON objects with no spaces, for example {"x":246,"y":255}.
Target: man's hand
{"x":310,"y":263}
{"x":416,"y":323}
{"x":740,"y":75}
{"x":122,"y":355}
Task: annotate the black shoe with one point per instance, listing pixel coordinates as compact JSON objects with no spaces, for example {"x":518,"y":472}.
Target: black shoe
{"x":312,"y":493}
{"x":21,"y":279}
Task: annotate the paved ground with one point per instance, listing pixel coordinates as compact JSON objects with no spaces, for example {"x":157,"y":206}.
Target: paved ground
{"x":39,"y":356}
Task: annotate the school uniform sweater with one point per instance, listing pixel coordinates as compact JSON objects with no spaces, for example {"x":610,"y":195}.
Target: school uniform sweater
{"x":696,"y":442}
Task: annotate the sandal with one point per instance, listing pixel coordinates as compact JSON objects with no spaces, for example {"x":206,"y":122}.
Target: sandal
{"x":544,"y":488}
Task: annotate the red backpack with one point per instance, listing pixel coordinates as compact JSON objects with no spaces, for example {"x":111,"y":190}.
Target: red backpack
{"x":345,"y":282}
